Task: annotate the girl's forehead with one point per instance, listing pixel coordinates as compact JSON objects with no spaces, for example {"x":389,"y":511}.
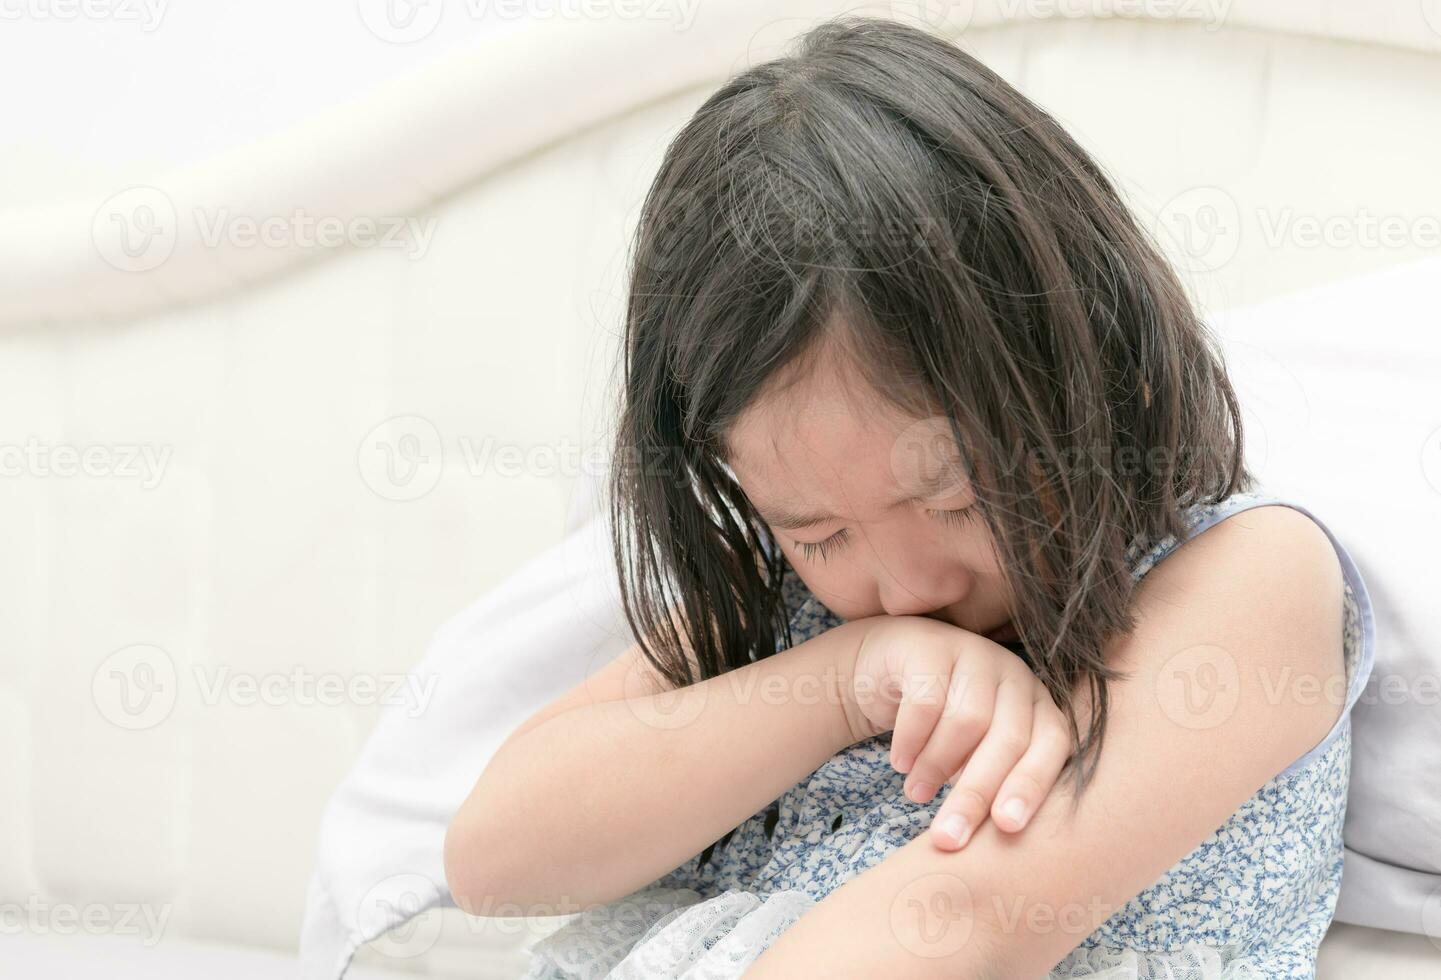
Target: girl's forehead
{"x":826,"y":445}
{"x":824,"y":414}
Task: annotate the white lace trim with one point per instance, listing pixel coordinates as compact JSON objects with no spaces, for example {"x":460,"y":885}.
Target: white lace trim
{"x":1192,"y":961}
{"x":670,"y":932}
{"x":667,"y":932}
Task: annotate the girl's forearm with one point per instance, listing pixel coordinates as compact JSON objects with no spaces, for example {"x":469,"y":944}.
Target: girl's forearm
{"x":600,"y":800}
{"x":910,"y":917}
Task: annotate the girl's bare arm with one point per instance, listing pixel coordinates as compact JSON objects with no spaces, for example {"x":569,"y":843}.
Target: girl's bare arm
{"x":1260,"y":590}
{"x":620,"y":781}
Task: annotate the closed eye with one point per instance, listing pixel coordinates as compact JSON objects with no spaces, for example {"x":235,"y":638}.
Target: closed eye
{"x":821,"y":550}
{"x":954,"y":517}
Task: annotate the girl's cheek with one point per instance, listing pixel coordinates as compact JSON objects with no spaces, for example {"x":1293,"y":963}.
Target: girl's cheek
{"x":843,"y":594}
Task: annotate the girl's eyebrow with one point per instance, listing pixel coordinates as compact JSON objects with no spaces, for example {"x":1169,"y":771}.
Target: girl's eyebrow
{"x":789,"y":520}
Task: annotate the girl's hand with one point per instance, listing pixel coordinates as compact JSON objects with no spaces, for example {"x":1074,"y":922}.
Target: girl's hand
{"x":963,"y":710}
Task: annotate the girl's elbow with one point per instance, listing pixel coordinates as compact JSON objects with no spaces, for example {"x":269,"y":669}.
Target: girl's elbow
{"x":475,"y":868}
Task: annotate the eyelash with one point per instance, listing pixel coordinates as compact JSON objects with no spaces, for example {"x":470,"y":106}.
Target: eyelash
{"x":821,"y":550}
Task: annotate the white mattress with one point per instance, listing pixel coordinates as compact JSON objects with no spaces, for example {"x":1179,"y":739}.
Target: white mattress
{"x":84,"y":957}
{"x":1349,"y":953}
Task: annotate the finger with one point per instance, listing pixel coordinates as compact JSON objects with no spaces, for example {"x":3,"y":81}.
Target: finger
{"x":1033,"y":777}
{"x":974,"y":788}
{"x":969,"y":714}
{"x":922,"y":699}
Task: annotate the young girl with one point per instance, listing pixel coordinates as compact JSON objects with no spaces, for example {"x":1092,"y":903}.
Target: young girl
{"x":919,"y":439}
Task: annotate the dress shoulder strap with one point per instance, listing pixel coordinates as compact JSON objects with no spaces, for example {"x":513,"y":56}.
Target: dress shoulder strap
{"x":1359,"y":625}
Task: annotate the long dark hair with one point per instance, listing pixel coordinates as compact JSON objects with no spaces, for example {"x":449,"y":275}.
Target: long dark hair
{"x":881,"y":188}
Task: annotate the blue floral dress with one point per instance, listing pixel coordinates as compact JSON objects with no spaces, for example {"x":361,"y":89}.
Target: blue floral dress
{"x":1253,"y":900}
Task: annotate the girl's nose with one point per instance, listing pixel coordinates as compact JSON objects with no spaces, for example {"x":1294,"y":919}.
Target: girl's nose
{"x":916,"y":592}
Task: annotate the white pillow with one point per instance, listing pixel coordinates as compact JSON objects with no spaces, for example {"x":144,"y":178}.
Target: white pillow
{"x":379,"y":858}
{"x":1337,"y":385}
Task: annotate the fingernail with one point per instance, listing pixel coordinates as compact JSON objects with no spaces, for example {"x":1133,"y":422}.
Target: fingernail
{"x":1015,"y":811}
{"x":922,"y":791}
{"x":956,"y":827}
